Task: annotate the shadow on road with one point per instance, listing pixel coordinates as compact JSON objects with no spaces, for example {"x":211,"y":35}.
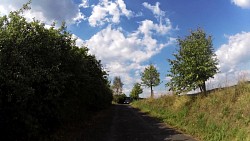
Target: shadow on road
{"x":160,"y":129}
{"x":125,"y":123}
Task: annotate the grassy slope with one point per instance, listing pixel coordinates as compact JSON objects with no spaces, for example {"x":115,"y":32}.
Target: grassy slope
{"x":223,"y":115}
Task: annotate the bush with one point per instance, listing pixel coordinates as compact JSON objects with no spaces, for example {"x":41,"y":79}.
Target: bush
{"x":119,"y":98}
{"x":46,"y":80}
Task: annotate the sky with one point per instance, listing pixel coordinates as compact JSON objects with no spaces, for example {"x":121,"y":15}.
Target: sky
{"x":128,"y":35}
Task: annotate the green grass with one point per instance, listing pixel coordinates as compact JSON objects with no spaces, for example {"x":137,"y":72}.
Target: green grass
{"x":224,"y":115}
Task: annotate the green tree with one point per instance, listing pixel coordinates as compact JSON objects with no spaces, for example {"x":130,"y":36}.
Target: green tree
{"x":134,"y":94}
{"x":117,"y":85}
{"x":150,"y":78}
{"x":194,"y":63}
{"x":46,"y":81}
{"x":119,"y":98}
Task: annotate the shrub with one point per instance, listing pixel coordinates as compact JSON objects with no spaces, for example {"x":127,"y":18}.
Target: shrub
{"x":46,"y":80}
{"x":119,"y":98}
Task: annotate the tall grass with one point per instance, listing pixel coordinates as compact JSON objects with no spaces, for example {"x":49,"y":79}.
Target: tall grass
{"x":224,"y":115}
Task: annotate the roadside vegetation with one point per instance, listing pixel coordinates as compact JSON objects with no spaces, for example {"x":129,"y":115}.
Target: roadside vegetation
{"x":47,"y":83}
{"x":136,"y":91}
{"x":119,"y":98}
{"x":195,"y":62}
{"x":214,"y":115}
{"x":150,"y":78}
{"x":221,"y":116}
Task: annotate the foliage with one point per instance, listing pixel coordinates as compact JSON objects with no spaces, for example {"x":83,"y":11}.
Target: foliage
{"x":221,"y":116}
{"x":119,"y":98}
{"x":134,"y":94}
{"x":45,"y":80}
{"x":195,"y":62}
{"x":117,"y":85}
{"x":150,"y":77}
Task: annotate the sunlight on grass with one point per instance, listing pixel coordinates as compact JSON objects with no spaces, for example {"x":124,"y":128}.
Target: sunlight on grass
{"x":221,"y":116}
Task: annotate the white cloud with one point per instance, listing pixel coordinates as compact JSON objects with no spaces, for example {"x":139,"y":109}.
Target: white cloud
{"x":108,"y":11}
{"x":242,"y":3}
{"x":226,"y":79}
{"x":155,"y":9}
{"x":234,"y":61}
{"x":123,"y":54}
{"x":46,"y":10}
{"x":79,"y":41}
{"x":168,"y":78}
{"x":147,"y":27}
{"x":235,"y":53}
{"x":123,"y":8}
{"x":84,"y":4}
{"x":137,"y":46}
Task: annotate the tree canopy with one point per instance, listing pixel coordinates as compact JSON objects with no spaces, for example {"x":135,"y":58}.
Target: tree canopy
{"x":134,"y":94}
{"x":150,"y":78}
{"x":117,"y":85}
{"x":45,"y":79}
{"x":195,"y":62}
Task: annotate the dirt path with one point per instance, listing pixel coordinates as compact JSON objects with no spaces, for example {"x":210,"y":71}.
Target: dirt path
{"x":124,"y":123}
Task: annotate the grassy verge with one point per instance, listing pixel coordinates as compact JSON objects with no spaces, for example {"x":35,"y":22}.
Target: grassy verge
{"x":221,"y":116}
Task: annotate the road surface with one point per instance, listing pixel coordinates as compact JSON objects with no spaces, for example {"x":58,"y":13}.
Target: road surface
{"x":125,"y":123}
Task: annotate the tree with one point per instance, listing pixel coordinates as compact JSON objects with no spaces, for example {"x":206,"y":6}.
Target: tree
{"x":194,"y":63}
{"x":117,"y":85}
{"x":150,"y":78}
{"x":119,"y":98}
{"x":134,"y":94}
{"x":46,"y":81}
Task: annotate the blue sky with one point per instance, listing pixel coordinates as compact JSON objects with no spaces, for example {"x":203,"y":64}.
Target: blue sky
{"x":128,"y":35}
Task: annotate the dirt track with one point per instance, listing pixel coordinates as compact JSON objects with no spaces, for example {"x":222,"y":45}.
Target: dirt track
{"x":124,"y":123}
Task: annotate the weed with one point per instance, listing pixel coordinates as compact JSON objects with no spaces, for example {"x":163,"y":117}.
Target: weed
{"x":221,"y":116}
{"x":226,"y":111}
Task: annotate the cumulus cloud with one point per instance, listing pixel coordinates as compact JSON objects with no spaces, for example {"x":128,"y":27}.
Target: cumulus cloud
{"x":235,"y":53}
{"x":123,"y":8}
{"x":84,"y":4}
{"x":234,"y":61}
{"x":79,"y":41}
{"x":155,"y":9}
{"x":147,"y":27}
{"x":46,"y":10}
{"x":242,"y":3}
{"x":136,"y":47}
{"x":107,"y":11}
{"x":125,"y":54}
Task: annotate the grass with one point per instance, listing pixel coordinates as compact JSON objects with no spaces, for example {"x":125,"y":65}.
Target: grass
{"x":224,"y":115}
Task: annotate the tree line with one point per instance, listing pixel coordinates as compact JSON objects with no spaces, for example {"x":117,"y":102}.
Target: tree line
{"x":45,"y":79}
{"x":194,"y":63}
{"x":150,"y":78}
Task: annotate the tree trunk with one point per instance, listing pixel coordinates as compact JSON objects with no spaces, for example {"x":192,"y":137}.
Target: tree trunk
{"x":203,"y":89}
{"x":152,"y":94}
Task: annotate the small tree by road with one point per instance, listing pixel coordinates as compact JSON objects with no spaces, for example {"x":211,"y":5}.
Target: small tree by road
{"x":195,"y":62}
{"x":150,"y":78}
{"x":119,"y":98}
{"x":134,"y":94}
{"x":117,"y":85}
